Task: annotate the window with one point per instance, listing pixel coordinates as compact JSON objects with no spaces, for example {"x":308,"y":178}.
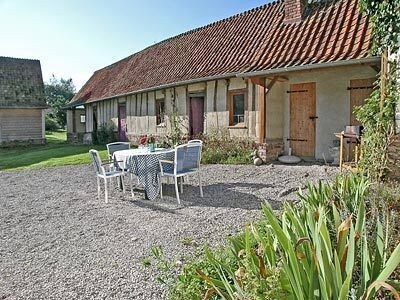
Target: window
{"x":237,"y":106}
{"x":83,"y":118}
{"x":160,"y":111}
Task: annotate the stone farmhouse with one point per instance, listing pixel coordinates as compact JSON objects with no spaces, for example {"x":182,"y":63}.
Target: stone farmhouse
{"x":22,"y":101}
{"x":286,"y":74}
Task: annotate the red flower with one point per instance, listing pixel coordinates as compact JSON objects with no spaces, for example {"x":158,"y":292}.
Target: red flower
{"x":143,"y":140}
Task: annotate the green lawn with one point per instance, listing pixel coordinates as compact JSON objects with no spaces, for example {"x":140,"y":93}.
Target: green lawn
{"x":55,"y":153}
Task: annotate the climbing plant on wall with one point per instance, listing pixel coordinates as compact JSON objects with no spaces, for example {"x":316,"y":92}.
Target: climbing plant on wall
{"x":378,"y":113}
{"x":385,"y":19}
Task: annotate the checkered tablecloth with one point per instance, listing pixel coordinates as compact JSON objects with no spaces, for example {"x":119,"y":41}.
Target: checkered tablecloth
{"x":145,"y":166}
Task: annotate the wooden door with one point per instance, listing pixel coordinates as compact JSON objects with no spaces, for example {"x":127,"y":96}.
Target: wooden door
{"x":196,"y":115}
{"x":122,"y":123}
{"x":360,"y":89}
{"x":302,"y":119}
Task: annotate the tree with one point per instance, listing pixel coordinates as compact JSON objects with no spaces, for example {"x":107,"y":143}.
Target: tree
{"x":58,"y":92}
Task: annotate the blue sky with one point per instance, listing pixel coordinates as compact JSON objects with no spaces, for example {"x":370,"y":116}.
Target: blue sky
{"x":74,"y":38}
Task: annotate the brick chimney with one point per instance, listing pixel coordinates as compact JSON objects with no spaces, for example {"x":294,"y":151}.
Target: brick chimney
{"x":293,"y":11}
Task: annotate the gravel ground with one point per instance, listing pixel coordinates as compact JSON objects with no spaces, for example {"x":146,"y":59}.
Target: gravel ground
{"x":58,"y":241}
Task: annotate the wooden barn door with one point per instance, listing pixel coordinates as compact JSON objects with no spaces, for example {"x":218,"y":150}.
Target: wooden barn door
{"x":122,"y":123}
{"x":302,"y":119}
{"x":360,"y":89}
{"x":196,"y":115}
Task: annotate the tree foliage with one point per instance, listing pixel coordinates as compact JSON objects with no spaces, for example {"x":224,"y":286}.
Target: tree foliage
{"x":385,"y":18}
{"x":58,"y":92}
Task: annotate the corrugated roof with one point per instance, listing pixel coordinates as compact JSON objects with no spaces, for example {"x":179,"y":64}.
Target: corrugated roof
{"x":255,"y":40}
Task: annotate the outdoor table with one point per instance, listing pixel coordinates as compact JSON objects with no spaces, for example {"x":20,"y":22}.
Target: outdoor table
{"x":145,"y":165}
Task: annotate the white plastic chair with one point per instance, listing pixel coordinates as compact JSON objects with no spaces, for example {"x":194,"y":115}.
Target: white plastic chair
{"x":195,"y":141}
{"x":102,"y":173}
{"x":112,"y":147}
{"x":117,"y":146}
{"x":186,"y":161}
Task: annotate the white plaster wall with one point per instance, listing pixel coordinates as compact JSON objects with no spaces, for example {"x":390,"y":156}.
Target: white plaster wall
{"x":160,"y":94}
{"x":180,"y":100}
{"x":275,"y":111}
{"x":152,"y":104}
{"x":236,"y":83}
{"x":221,"y":96}
{"x":332,"y":102}
{"x":197,"y":87}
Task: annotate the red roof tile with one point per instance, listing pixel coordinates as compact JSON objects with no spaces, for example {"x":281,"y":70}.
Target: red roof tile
{"x":251,"y":41}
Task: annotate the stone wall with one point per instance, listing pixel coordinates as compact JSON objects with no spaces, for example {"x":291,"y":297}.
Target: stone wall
{"x":75,"y":137}
{"x":270,"y":150}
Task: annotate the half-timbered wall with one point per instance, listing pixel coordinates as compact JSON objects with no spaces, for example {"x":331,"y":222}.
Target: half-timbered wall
{"x":141,"y":114}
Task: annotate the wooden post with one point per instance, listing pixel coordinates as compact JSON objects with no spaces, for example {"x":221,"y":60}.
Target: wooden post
{"x":384,"y":74}
{"x":341,"y":151}
{"x":259,"y":83}
{"x":261,"y":109}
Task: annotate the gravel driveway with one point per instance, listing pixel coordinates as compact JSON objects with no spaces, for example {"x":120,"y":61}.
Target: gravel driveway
{"x":58,"y":241}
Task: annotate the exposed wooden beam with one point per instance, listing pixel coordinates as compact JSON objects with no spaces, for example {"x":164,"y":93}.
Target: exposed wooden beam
{"x":375,"y":68}
{"x":258,"y":81}
{"x":270,"y":84}
{"x":279,"y":78}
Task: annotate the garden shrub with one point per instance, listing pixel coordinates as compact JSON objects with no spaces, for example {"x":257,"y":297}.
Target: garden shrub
{"x":220,"y":148}
{"x":105,"y":134}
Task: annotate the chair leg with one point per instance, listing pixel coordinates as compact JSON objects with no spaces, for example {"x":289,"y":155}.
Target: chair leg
{"x":201,"y":188}
{"x":181,"y":184}
{"x":98,"y":188}
{"x":106,"y":189}
{"x":176,"y":190}
{"x":130,"y":181}
{"x":122,"y":183}
{"x":160,"y":183}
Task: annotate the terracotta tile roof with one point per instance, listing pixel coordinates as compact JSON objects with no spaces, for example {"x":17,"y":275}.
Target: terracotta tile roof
{"x":251,"y":41}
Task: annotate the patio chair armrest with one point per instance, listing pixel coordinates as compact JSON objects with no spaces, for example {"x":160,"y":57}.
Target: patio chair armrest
{"x":163,"y":161}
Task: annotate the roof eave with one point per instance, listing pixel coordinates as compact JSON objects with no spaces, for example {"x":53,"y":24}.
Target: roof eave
{"x":159,"y":87}
{"x":365,"y":60}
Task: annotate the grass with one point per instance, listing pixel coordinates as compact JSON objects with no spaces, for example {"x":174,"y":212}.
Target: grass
{"x":56,"y":152}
